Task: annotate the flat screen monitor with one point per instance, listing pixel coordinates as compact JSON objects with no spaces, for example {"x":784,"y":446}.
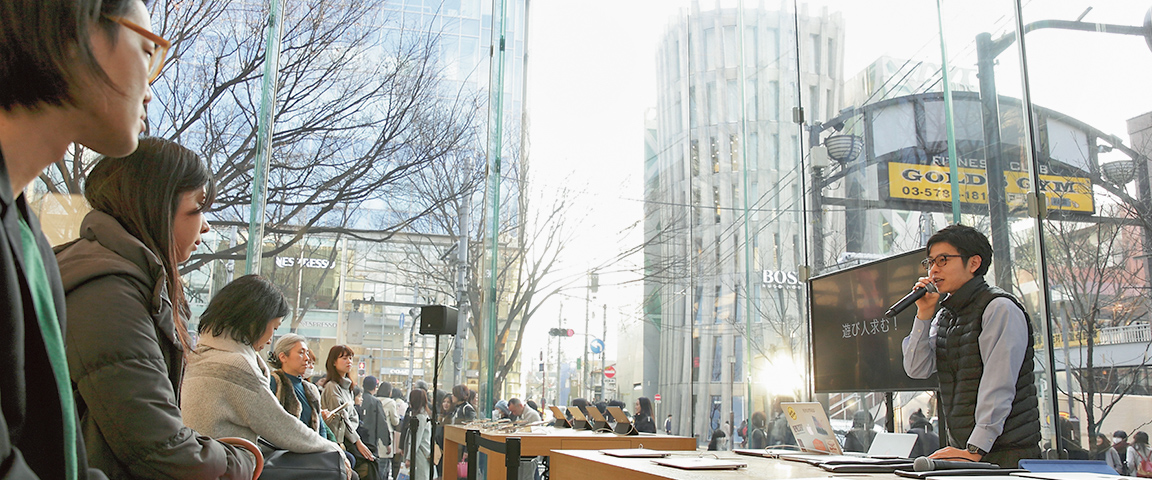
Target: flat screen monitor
{"x":854,"y":347}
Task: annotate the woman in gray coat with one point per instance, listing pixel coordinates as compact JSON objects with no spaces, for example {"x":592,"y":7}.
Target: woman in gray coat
{"x":338,"y":399}
{"x":127,"y":333}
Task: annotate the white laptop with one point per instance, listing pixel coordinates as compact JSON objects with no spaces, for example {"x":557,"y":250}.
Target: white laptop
{"x":892,"y":445}
{"x":813,"y":432}
{"x":810,"y":426}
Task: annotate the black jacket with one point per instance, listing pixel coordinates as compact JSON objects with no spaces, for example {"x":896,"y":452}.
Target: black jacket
{"x":375,"y":423}
{"x":31,"y":427}
{"x":960,"y":368}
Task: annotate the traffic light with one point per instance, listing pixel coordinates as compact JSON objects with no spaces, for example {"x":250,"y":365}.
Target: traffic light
{"x":561,"y":332}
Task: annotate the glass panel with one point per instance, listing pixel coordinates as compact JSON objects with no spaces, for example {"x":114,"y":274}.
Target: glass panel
{"x":1092,"y":167}
{"x":704,"y":161}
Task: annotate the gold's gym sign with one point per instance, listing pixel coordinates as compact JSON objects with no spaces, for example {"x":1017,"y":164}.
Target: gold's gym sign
{"x":933,"y":183}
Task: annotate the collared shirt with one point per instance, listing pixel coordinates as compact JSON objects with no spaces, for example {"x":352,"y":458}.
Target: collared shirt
{"x":1003,"y":342}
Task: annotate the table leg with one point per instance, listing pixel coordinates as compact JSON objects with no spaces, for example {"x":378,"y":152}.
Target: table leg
{"x":451,"y":456}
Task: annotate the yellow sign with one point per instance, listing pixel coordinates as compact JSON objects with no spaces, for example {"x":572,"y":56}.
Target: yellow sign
{"x":792,"y":413}
{"x":933,"y":183}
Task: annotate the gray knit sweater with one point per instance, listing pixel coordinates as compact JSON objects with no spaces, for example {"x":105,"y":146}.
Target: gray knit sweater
{"x":226,"y":394}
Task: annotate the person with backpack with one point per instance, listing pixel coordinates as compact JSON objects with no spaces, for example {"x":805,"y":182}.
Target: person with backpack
{"x":1139,"y":458}
{"x":377,"y":430}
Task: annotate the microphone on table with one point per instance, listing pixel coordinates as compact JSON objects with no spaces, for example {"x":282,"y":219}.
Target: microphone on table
{"x":909,"y":300}
{"x":925,"y":464}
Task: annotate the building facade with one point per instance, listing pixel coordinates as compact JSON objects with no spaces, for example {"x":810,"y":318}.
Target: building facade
{"x":724,"y":139}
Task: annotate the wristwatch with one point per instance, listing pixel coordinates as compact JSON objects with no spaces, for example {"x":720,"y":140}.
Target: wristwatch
{"x":976,"y":450}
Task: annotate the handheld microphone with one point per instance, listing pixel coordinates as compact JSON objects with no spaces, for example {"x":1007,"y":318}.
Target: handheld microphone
{"x":909,"y":300}
{"x":925,"y":464}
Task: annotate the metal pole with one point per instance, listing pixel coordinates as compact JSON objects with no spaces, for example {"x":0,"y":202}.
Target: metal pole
{"x":435,"y":379}
{"x":559,"y":357}
{"x":463,"y":304}
{"x":264,"y":139}
{"x":604,"y":355}
{"x":585,"y":376}
{"x":341,"y":316}
{"x":993,"y":156}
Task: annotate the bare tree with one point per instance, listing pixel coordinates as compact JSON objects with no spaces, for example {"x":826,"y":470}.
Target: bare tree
{"x":534,"y":232}
{"x":359,"y":108}
{"x":1097,"y":281}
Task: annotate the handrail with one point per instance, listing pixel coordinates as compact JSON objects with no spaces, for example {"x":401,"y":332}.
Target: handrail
{"x":252,"y":448}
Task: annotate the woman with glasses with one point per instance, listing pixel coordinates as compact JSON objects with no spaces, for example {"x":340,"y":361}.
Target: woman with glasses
{"x":339,"y":400}
{"x":127,"y":336}
{"x":992,"y":413}
{"x":72,"y":74}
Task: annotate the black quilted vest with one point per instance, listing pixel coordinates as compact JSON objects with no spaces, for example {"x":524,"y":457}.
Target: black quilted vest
{"x":959,"y":367}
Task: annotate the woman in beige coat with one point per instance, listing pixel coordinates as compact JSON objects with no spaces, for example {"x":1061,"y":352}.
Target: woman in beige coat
{"x":338,"y":399}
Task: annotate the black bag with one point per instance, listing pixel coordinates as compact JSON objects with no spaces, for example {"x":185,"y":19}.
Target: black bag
{"x":285,"y":465}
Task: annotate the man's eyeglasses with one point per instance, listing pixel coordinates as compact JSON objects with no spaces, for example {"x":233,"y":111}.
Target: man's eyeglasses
{"x":156,"y":61}
{"x":939,"y":260}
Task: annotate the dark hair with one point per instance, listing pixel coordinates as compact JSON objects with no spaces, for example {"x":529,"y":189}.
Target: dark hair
{"x":418,"y":401}
{"x":397,"y":393}
{"x":759,"y":419}
{"x":45,"y":49}
{"x":513,"y":401}
{"x":967,"y":241}
{"x":461,"y":393}
{"x":439,"y":397}
{"x":243,"y":309}
{"x":645,"y":406}
{"x":142,"y":191}
{"x":1140,"y":439}
{"x":334,"y":353}
{"x":532,"y":404}
{"x":718,"y":436}
{"x":384,"y":389}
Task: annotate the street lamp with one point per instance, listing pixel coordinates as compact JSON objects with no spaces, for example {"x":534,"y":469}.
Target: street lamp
{"x":986,"y":52}
{"x":1120,"y":172}
{"x":843,"y":148}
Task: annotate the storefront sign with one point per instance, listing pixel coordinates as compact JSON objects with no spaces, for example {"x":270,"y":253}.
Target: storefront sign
{"x":932,"y":183}
{"x":780,"y":279}
{"x":285,"y":262}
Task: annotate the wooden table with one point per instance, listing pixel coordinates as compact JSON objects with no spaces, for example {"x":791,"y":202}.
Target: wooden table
{"x":543,"y":440}
{"x":585,"y":464}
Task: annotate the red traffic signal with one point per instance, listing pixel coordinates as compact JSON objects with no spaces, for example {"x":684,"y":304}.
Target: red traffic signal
{"x":561,"y":332}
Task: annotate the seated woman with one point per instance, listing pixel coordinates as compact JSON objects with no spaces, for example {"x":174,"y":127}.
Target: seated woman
{"x":226,"y":385}
{"x":127,"y":333}
{"x":292,"y":359}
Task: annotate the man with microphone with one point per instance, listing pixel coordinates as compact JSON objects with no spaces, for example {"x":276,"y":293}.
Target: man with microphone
{"x":980,"y":345}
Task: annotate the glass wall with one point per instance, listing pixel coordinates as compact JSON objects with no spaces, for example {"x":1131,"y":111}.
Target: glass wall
{"x":633,"y":199}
